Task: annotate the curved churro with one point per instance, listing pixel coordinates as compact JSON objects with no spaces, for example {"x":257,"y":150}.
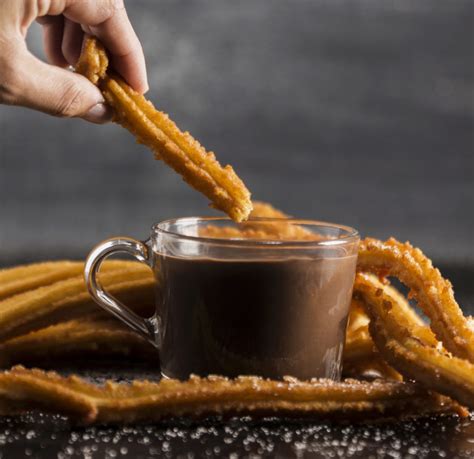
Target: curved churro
{"x":361,"y":357}
{"x":199,"y":397}
{"x":409,"y":352}
{"x":433,"y":293}
{"x":153,"y":128}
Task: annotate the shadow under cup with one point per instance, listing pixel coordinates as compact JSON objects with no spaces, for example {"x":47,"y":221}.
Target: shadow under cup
{"x":267,"y":307}
{"x":267,"y":297}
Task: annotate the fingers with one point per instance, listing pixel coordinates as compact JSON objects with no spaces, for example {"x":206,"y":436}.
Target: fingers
{"x":125,"y":50}
{"x":108,"y":21}
{"x":53,"y":27}
{"x":26,"y":81}
{"x":62,"y":40}
{"x":72,"y":41}
{"x":29,"y":82}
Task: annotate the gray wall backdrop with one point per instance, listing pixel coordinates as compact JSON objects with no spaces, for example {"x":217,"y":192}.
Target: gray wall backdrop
{"x":359,"y":112}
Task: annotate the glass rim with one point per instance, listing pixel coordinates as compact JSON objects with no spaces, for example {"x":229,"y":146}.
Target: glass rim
{"x":351,"y":235}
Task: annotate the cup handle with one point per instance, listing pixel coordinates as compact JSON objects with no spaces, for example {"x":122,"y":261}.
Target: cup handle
{"x":147,"y":328}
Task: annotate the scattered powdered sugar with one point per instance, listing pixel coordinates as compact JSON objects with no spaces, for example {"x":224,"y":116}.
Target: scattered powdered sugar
{"x":47,"y":436}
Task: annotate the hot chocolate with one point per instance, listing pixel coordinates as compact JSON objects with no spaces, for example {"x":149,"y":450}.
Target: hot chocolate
{"x":262,"y":317}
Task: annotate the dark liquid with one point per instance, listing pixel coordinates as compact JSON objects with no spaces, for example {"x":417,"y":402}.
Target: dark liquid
{"x":267,"y":318}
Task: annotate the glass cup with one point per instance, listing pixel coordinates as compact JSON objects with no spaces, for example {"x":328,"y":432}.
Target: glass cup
{"x":272,"y":306}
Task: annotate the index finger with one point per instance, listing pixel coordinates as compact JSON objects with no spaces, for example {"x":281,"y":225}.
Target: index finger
{"x":108,"y":20}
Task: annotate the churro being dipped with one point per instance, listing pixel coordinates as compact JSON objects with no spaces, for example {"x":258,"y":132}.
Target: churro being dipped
{"x":156,"y":130}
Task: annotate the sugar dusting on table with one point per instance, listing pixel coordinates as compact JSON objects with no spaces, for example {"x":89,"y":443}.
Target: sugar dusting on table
{"x":49,"y":436}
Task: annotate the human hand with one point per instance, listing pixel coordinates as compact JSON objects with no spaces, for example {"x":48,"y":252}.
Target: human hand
{"x":27,"y":81}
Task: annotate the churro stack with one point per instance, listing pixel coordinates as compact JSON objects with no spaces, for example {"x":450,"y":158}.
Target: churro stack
{"x":46,"y":311}
{"x":46,"y":314}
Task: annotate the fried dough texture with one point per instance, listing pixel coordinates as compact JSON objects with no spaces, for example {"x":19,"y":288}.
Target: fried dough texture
{"x":410,"y":352}
{"x":433,"y":293}
{"x":214,"y":395}
{"x":66,"y":299}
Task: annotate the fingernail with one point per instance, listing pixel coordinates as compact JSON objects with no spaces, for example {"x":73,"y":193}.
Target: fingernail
{"x":98,"y":114}
{"x":145,"y":86}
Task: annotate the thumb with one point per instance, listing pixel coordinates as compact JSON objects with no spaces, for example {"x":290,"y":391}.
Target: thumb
{"x":54,"y":90}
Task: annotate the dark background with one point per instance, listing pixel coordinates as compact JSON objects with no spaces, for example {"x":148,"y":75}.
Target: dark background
{"x":354,"y":111}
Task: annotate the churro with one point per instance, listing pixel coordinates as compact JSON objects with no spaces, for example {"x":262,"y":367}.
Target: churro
{"x":95,"y":337}
{"x":265,"y":223}
{"x":69,"y":298}
{"x":385,"y":337}
{"x":410,"y":352}
{"x":361,"y":357}
{"x":153,"y":128}
{"x":22,"y":278}
{"x":22,"y":389}
{"x":433,"y":293}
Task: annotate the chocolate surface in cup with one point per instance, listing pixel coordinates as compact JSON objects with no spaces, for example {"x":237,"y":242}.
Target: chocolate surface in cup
{"x":261,"y":317}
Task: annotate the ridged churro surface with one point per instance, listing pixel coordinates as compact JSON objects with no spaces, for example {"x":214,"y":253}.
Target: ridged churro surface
{"x":409,"y":351}
{"x":199,"y":397}
{"x":433,"y":293}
